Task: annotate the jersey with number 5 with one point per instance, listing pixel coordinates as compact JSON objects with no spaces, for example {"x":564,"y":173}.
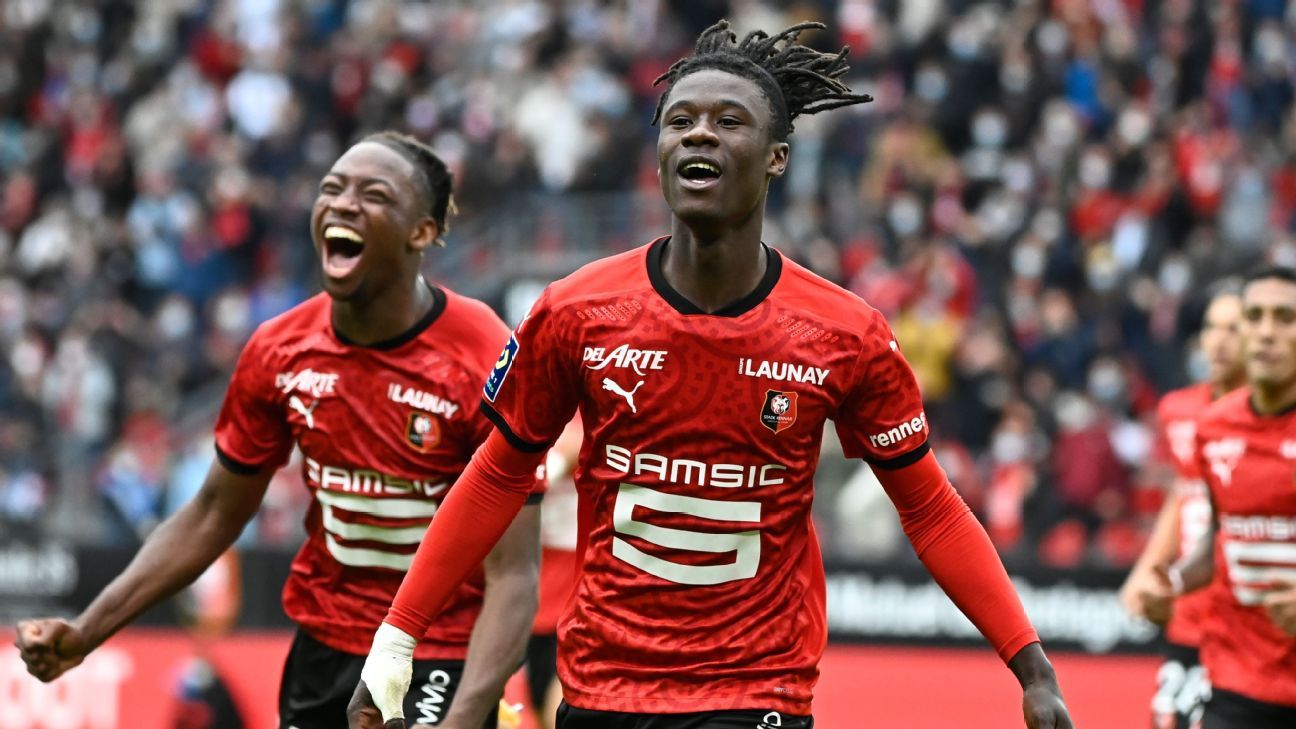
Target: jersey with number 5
{"x":702,"y":583}
{"x":1249,"y":463}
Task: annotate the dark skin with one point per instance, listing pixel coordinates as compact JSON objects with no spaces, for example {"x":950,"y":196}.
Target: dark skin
{"x":377,"y":295}
{"x":714,"y":257}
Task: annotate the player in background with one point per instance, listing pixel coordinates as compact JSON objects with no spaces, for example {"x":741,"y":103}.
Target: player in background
{"x":1246,"y":449}
{"x":704,"y":366}
{"x":1185,"y":515}
{"x":376,"y":381}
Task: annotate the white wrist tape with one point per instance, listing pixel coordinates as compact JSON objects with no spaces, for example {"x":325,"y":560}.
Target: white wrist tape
{"x":1175,"y":575}
{"x":387,"y":670}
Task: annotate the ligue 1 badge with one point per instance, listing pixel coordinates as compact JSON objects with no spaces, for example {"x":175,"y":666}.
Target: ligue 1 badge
{"x":780,"y":410}
{"x":422,"y":431}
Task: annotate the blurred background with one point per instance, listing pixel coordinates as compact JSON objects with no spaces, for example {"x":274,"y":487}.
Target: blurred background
{"x":1036,"y":200}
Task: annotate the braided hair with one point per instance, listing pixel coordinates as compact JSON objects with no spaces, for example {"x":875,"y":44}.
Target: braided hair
{"x":795,"y":78}
{"x":432,"y":175}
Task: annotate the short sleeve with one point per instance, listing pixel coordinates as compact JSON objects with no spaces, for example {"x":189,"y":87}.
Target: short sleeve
{"x":251,"y":431}
{"x":533,"y":388}
{"x":881,"y":418}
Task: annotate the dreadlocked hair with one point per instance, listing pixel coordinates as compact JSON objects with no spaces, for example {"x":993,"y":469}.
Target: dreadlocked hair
{"x":795,"y":78}
{"x":433,"y":174}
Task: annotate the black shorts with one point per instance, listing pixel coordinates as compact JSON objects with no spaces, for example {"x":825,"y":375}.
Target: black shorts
{"x":318,"y":682}
{"x":541,"y":666}
{"x":1227,"y":710}
{"x":570,"y":717}
{"x":1182,"y":689}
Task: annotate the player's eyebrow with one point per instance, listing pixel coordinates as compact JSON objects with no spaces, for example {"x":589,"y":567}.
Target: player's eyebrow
{"x":362,"y":181}
{"x":691,"y":104}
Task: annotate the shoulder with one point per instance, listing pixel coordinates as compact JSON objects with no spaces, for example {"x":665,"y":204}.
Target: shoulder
{"x":611,"y":276}
{"x":295,"y":329}
{"x":1186,"y":402}
{"x":806,"y":292}
{"x":1232,"y":408}
{"x":473,"y":316}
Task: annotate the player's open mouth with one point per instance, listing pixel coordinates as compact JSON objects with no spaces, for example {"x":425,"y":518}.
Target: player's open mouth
{"x":342,"y":249}
{"x":698,"y":174}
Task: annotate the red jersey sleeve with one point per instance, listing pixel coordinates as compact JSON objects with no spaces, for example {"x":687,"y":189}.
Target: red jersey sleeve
{"x":881,"y":419}
{"x":534,"y":387}
{"x":251,"y":431}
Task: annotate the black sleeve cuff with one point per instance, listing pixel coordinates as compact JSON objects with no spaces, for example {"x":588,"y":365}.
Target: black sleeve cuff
{"x":237,"y":466}
{"x":904,"y":459}
{"x":513,"y":439}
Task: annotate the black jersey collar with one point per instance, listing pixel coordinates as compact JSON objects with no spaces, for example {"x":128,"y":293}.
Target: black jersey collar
{"x":420,"y":326}
{"x":773,"y":269}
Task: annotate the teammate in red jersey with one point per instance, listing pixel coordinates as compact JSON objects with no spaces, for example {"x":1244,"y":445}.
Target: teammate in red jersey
{"x":704,"y":366}
{"x":376,"y":381}
{"x":1246,"y":448}
{"x":1185,"y":516}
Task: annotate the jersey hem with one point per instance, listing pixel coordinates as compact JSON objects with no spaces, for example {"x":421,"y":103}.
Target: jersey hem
{"x":667,"y":705}
{"x":904,"y":459}
{"x":505,"y":430}
{"x":233,"y":464}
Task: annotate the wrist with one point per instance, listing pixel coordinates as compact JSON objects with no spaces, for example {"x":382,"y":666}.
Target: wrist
{"x":1175,"y":576}
{"x":1032,"y":668}
{"x":392,"y":641}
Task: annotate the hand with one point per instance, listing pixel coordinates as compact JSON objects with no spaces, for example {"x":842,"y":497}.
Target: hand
{"x":1157,"y":596}
{"x":50,"y":647}
{"x":362,"y":714}
{"x":1043,"y":707}
{"x":1140,"y":580}
{"x":1280,"y":603}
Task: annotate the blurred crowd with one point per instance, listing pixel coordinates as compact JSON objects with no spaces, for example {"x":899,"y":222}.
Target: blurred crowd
{"x":1036,"y":199}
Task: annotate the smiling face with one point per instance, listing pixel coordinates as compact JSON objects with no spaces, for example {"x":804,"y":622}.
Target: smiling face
{"x":715,"y":153}
{"x":370,"y":222}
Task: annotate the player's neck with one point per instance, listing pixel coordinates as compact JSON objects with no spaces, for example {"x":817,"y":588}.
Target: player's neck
{"x":384,"y":317}
{"x":1274,"y":399}
{"x":1222,"y":388}
{"x":715,"y":269}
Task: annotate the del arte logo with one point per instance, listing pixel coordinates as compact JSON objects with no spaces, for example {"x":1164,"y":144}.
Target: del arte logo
{"x":88,"y":697}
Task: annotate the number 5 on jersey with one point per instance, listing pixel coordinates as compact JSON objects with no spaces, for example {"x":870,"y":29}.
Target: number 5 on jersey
{"x":744,"y":545}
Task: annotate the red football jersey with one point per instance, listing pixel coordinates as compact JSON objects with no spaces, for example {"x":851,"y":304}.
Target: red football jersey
{"x":702,"y":585}
{"x":384,"y":430}
{"x":1249,"y":463}
{"x":1177,"y":415}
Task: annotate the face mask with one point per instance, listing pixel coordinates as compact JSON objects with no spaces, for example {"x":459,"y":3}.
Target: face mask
{"x":1018,"y":175}
{"x":1134,"y":127}
{"x":1060,"y":128}
{"x":1175,"y":276}
{"x":1052,"y":38}
{"x":1095,"y":171}
{"x":1028,"y":261}
{"x":930,"y":84}
{"x":1009,"y":447}
{"x":989,"y":129}
{"x":1015,"y":78}
{"x":1106,"y":383}
{"x":904,"y":216}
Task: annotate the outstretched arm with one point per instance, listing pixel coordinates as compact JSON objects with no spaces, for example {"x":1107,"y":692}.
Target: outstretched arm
{"x":961,"y":558}
{"x":480,"y":507}
{"x":173,"y":556}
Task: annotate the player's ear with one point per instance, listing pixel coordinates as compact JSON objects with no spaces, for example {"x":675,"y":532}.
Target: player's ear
{"x":778,"y":159}
{"x":425,"y":234}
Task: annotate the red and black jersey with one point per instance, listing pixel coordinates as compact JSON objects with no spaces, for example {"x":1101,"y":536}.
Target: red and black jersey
{"x":1249,"y":463}
{"x":702,"y":585}
{"x":1177,"y":415}
{"x":384,"y":430}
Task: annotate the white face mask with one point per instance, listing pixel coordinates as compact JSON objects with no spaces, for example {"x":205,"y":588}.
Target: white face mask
{"x":931,"y":84}
{"x":1095,"y":171}
{"x":989,"y":129}
{"x":905,"y":216}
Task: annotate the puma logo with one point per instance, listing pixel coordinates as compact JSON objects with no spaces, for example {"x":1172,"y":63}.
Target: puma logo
{"x":608,"y":384}
{"x":296,"y":403}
